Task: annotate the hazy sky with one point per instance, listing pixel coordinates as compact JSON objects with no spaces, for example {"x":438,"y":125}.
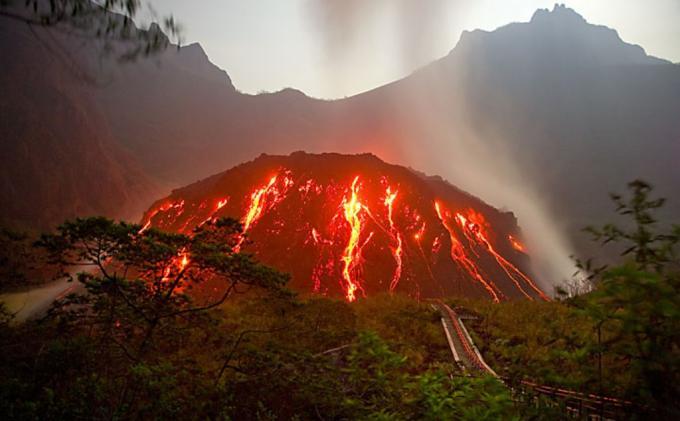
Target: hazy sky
{"x":329,"y":49}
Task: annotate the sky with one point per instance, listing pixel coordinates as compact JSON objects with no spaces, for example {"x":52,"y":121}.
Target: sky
{"x":338,"y":48}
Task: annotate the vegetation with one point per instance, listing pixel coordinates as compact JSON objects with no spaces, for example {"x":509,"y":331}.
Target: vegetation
{"x":621,"y":340}
{"x":109,"y":21}
{"x":636,"y":305}
{"x":177,"y":326}
{"x":168,"y":325}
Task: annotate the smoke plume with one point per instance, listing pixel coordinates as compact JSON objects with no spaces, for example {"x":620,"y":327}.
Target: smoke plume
{"x":345,"y":25}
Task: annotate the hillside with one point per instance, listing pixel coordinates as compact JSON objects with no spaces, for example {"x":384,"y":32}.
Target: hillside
{"x":60,"y":158}
{"x":526,"y":116}
{"x":355,"y":226}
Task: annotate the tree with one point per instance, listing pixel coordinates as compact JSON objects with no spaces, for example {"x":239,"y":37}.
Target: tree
{"x":636,"y":305}
{"x":109,"y":21}
{"x":145,"y":291}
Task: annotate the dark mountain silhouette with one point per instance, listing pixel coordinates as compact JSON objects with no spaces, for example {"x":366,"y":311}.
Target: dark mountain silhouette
{"x":353,"y":225}
{"x":59,"y":158}
{"x":555,"y":107}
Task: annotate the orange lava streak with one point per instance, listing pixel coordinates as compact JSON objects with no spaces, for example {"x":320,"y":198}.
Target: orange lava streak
{"x":352,"y":254}
{"x":220,"y":204}
{"x":516,"y":244}
{"x":163,"y":208}
{"x":256,"y":205}
{"x":418,"y":236}
{"x":459,"y":256}
{"x":508,"y":268}
{"x":257,"y":202}
{"x":397,"y":250}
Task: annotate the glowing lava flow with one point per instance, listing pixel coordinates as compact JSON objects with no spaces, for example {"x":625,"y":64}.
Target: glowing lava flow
{"x":352,"y":255}
{"x":163,"y":208}
{"x":220,"y":204}
{"x":257,"y":204}
{"x":397,"y":250}
{"x":516,"y":244}
{"x":257,"y":200}
{"x":418,"y":236}
{"x":321,"y":231}
{"x":459,"y":256}
{"x":474,"y":229}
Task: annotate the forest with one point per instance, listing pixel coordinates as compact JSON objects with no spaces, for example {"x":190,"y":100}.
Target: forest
{"x":136,"y":342}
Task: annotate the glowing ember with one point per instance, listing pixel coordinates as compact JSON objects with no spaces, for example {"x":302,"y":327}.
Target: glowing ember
{"x":177,"y":265}
{"x":420,"y":233}
{"x":316,"y":236}
{"x":436,"y":245}
{"x":184,"y":261}
{"x":516,"y":244}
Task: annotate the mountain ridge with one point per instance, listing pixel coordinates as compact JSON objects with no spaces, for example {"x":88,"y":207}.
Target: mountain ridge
{"x":512,"y":120}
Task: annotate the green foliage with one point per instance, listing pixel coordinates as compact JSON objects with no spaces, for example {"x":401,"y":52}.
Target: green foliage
{"x":151,"y":338}
{"x":372,"y":373}
{"x":539,"y":341}
{"x":413,"y":329}
{"x":138,"y":280}
{"x":622,"y":339}
{"x":129,"y":326}
{"x":257,"y":356}
{"x":332,"y":359}
{"x":637,"y":303}
{"x":464,"y":398}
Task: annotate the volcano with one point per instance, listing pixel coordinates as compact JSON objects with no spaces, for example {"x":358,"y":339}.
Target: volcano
{"x":353,"y":225}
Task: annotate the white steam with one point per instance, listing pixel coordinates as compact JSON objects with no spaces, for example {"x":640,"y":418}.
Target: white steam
{"x":442,"y":140}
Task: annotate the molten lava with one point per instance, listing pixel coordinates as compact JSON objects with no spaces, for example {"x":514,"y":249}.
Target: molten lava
{"x":459,"y":256}
{"x":257,"y":202}
{"x":352,"y":255}
{"x":161,"y":209}
{"x":261,"y":200}
{"x":397,"y":249}
{"x":475,"y":230}
{"x":354,"y":226}
{"x":516,"y":244}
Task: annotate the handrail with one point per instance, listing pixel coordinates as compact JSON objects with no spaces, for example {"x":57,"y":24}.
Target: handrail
{"x":596,"y":404}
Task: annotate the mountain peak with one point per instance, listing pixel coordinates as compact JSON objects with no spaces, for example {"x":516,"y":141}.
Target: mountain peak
{"x":560,"y":12}
{"x":193,"y":58}
{"x":554,"y":37}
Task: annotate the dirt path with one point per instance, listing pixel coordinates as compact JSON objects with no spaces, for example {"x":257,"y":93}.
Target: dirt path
{"x":35,"y":302}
